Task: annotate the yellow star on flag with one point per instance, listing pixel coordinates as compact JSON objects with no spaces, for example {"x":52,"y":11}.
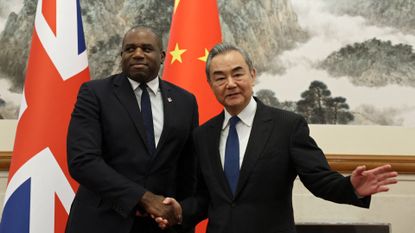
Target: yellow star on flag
{"x":176,"y":4}
{"x":204,"y":58}
{"x":177,"y":54}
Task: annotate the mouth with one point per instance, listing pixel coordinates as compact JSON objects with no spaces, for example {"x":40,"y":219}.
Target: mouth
{"x":138,"y":65}
{"x":231,"y":95}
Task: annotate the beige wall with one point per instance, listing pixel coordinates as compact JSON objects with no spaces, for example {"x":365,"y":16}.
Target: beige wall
{"x":7,"y":134}
{"x":3,"y":184}
{"x":361,"y":140}
{"x":396,"y":207}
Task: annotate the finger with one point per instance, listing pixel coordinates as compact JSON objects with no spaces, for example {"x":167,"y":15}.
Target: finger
{"x":359,"y":170}
{"x":387,"y":175}
{"x":161,"y":220}
{"x":382,"y":189}
{"x":179,"y":218}
{"x":380,"y":169}
{"x":162,"y":225}
{"x":388,"y":182}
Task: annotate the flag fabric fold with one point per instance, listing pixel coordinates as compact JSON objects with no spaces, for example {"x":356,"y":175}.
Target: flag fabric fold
{"x":194,"y":30}
{"x":40,"y":190}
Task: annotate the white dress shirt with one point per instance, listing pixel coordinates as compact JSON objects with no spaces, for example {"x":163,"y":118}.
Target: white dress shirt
{"x":243,"y":127}
{"x":156,"y":99}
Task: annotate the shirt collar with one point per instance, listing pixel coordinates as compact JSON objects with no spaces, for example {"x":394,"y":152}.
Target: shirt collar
{"x":153,"y":85}
{"x":246,"y":115}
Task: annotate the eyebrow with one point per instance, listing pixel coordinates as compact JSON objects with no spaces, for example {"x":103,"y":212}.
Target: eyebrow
{"x":236,"y":69}
{"x":139,"y":45}
{"x":218,"y":72}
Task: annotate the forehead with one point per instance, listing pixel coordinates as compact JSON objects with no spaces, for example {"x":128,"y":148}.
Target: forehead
{"x":227,"y":62}
{"x":140,"y":36}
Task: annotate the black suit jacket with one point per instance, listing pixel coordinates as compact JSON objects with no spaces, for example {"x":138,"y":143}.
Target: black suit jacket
{"x":279,"y":149}
{"x":108,"y":156}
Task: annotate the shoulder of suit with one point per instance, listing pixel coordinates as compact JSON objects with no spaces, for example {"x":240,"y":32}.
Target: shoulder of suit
{"x":102,"y":82}
{"x":176,"y":88}
{"x":212,"y":122}
{"x":286,"y":113}
{"x":277,"y":111}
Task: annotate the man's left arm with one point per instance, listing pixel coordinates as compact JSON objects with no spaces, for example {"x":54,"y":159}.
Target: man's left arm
{"x":315,"y":172}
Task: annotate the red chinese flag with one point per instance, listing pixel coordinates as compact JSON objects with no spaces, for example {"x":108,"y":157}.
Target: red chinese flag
{"x":195,"y":29}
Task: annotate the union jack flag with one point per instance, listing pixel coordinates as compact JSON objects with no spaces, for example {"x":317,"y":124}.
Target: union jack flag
{"x":40,"y":190}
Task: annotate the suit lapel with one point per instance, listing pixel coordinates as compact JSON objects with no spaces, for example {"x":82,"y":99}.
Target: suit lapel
{"x":212,"y":140}
{"x":125,"y":94}
{"x":260,"y":132}
{"x":168,"y":112}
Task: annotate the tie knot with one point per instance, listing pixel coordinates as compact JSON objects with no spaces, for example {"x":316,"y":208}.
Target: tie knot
{"x":143,"y":86}
{"x":234,"y":120}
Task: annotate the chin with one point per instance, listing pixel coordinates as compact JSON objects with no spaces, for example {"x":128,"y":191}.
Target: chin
{"x":139,"y":77}
{"x":234,"y":101}
{"x":233,"y":104}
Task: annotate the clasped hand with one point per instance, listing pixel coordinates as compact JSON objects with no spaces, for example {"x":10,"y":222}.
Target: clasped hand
{"x":165,"y":211}
{"x":164,"y":222}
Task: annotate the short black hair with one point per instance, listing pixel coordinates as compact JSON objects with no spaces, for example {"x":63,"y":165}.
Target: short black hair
{"x":156,"y":32}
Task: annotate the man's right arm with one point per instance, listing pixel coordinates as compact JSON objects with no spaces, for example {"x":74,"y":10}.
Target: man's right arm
{"x":85,"y":161}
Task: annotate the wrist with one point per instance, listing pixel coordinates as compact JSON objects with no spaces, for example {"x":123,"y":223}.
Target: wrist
{"x":146,"y":199}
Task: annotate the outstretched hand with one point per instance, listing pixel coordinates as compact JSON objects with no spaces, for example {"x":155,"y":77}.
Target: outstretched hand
{"x":368,"y":182}
{"x":163,"y":222}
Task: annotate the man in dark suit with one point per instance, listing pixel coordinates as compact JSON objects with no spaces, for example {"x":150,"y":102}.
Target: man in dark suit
{"x":250,"y":154}
{"x":129,"y":143}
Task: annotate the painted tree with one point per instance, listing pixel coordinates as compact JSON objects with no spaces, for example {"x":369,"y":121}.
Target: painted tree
{"x":268,"y":98}
{"x":312,"y":104}
{"x":338,"y":111}
{"x":318,"y":107}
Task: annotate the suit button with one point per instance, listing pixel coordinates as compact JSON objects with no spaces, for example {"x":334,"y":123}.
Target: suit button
{"x":233,"y":204}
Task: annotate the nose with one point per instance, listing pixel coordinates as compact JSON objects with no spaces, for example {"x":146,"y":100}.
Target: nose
{"x":230,"y":82}
{"x":138,"y":52}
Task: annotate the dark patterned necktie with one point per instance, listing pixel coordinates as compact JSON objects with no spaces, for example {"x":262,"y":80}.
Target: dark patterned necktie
{"x":231,"y":166}
{"x":147,"y":117}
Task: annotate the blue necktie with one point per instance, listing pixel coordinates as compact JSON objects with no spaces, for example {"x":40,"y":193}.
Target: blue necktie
{"x":231,"y":166}
{"x":147,"y":117}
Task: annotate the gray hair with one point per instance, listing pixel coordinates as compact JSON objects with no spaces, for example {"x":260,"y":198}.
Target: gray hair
{"x":223,"y":48}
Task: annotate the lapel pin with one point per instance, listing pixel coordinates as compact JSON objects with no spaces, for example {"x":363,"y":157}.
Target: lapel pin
{"x":169,"y":99}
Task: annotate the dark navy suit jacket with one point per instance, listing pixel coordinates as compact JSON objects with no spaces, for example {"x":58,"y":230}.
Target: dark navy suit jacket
{"x":279,"y":149}
{"x":108,"y":156}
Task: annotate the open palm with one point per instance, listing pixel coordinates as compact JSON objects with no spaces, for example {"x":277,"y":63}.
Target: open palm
{"x":368,"y":182}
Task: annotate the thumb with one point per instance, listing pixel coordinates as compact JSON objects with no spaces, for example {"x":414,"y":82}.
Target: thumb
{"x":168,"y":200}
{"x":359,"y":170}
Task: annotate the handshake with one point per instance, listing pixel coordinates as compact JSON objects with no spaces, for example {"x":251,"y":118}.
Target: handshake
{"x":166,"y":211}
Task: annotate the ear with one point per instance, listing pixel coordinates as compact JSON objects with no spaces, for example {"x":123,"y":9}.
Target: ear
{"x":210,"y":82}
{"x":253,"y":75}
{"x":162,"y":56}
